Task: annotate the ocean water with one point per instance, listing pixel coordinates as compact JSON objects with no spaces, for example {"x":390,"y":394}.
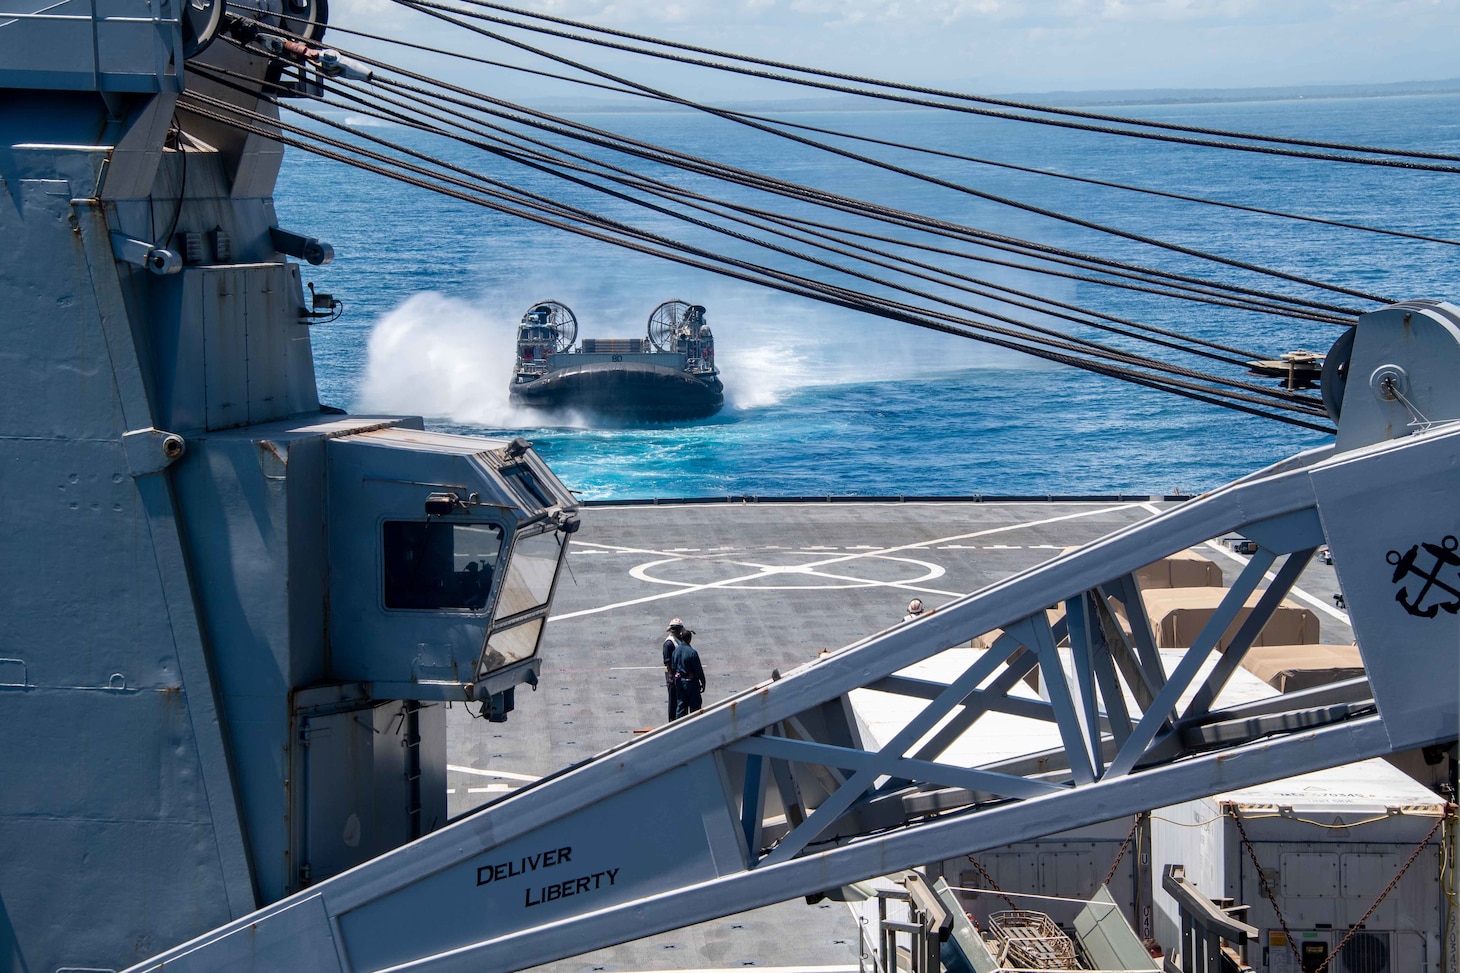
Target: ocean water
{"x":824,"y":401}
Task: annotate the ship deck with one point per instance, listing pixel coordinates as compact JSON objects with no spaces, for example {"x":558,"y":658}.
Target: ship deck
{"x":764,"y":585}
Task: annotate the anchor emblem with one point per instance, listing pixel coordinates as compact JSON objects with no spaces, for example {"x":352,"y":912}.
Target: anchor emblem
{"x":1444,"y":557}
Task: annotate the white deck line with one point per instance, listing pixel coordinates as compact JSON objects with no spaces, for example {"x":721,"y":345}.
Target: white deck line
{"x":875,"y":552}
{"x":505,"y":775}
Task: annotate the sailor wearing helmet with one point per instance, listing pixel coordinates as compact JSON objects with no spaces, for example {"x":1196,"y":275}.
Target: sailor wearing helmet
{"x":689,"y":677}
{"x":914,"y":610}
{"x":677,"y":636}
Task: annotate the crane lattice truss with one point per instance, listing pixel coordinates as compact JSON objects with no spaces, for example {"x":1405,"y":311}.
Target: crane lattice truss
{"x":776,"y":792}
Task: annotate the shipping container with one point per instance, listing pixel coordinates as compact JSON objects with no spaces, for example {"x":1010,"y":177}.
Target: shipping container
{"x":1314,"y":853}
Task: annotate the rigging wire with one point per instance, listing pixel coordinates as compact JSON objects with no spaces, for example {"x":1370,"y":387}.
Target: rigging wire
{"x":1124,"y":187}
{"x":591,"y":173}
{"x":426,"y":5}
{"x":1046,"y":331}
{"x":177,"y":141}
{"x":1015,"y":167}
{"x":657,"y":153}
{"x":433,"y":6}
{"x":896,"y":217}
{"x":716,"y":207}
{"x":409,"y":120}
{"x":850,"y":206}
{"x":918,"y":89}
{"x":1281,"y":303}
{"x":828,"y":295}
{"x":1063,"y":340}
{"x":1185,"y":294}
{"x":671,"y":157}
{"x":789,"y":283}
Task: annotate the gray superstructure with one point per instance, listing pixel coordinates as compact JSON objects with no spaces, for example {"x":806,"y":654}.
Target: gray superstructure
{"x":232,"y":616}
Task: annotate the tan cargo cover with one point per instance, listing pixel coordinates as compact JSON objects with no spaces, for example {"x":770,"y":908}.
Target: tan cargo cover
{"x":1290,"y":668}
{"x":1184,"y":569}
{"x":1178,"y":614}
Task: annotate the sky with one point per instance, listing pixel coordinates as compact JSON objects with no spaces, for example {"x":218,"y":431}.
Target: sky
{"x":984,"y":46}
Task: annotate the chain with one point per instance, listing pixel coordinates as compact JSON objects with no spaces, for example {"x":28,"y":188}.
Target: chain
{"x":1272,"y":899}
{"x":991,"y":883}
{"x":1267,"y":889}
{"x":1119,"y":856}
{"x":1387,"y":889}
{"x":1124,"y":845}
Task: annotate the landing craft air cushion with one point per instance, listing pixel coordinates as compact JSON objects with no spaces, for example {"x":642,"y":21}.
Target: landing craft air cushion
{"x":668,"y":376}
{"x":235,"y":614}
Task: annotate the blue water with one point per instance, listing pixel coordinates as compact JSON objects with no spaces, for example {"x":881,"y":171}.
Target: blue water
{"x":824,"y":401}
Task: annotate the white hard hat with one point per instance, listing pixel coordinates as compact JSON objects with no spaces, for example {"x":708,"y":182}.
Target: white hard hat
{"x":915,"y":607}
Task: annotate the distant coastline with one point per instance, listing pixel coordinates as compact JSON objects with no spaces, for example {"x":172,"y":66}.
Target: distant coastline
{"x":1114,"y":98}
{"x":1198,"y":96}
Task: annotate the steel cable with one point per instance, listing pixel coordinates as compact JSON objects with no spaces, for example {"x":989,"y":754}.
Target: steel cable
{"x":918,"y":89}
{"x":666,"y":190}
{"x":427,"y":5}
{"x":1015,"y":167}
{"x":670,"y":157}
{"x":1022,"y":246}
{"x":431,"y":7}
{"x":1057,"y":339}
{"x":776,"y":280}
{"x":1261,"y":308}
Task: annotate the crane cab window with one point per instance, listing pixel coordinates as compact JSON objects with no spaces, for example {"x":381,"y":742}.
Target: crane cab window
{"x":530,"y":574}
{"x":430,"y":565}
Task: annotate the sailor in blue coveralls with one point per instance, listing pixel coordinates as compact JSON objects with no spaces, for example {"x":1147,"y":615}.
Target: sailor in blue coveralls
{"x":677,"y":631}
{"x":689,"y":677}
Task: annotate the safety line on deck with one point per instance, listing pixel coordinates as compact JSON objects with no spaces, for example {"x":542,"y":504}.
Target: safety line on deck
{"x":505,"y":775}
{"x":878,"y":552}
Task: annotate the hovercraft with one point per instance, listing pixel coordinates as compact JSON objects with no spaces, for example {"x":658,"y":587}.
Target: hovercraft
{"x":667,"y":376}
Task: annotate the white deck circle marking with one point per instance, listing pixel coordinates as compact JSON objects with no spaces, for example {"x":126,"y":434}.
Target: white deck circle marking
{"x":677,"y":592}
{"x":642,"y":572}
